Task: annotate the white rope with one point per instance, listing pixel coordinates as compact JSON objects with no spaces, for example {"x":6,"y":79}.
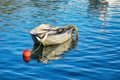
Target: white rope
{"x":43,"y":40}
{"x":45,"y":37}
{"x":38,"y":38}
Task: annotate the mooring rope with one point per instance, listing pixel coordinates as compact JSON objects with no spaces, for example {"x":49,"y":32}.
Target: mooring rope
{"x":36,"y":48}
{"x":74,"y":28}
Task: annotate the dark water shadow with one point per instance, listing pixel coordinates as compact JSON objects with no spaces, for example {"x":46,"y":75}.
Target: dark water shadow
{"x":97,"y":9}
{"x":11,"y":6}
{"x":47,"y":4}
{"x":53,"y":52}
{"x":49,"y":9}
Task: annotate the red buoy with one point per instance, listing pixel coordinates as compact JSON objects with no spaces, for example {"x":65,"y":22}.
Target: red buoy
{"x":26,"y":53}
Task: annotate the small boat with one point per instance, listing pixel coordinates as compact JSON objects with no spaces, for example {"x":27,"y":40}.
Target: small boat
{"x":49,"y":35}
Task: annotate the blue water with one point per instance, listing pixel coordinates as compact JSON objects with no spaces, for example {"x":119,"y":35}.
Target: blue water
{"x":97,"y":53}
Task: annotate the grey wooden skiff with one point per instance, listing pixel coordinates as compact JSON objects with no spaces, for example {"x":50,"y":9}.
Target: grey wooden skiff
{"x":48,"y":35}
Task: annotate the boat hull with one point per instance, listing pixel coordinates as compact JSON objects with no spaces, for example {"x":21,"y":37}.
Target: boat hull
{"x":52,"y":39}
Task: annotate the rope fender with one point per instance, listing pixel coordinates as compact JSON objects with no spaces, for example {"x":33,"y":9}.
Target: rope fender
{"x":74,"y":28}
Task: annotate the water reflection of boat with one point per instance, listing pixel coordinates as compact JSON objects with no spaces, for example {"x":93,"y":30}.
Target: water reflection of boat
{"x":44,"y":54}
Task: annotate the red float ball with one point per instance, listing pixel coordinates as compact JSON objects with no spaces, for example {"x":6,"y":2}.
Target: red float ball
{"x":26,"y":53}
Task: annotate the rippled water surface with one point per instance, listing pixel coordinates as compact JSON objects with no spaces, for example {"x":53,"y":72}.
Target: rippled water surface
{"x":97,"y":53}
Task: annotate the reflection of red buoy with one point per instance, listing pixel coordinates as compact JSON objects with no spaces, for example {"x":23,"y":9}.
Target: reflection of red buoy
{"x":26,"y":59}
{"x":26,"y":53}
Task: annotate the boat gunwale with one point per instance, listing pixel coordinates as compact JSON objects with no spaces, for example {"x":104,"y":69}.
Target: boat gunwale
{"x":52,"y":34}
